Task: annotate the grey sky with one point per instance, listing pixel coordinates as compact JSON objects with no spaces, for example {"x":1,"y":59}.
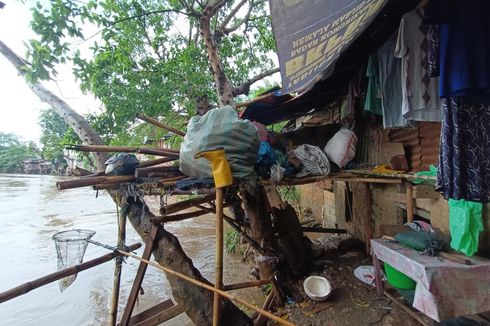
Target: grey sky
{"x":19,"y":106}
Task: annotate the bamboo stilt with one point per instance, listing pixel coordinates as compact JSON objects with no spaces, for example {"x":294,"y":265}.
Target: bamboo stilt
{"x":218,"y":283}
{"x":159,"y":124}
{"x":410,"y":205}
{"x":121,"y":242}
{"x":124,"y":149}
{"x":34,"y":284}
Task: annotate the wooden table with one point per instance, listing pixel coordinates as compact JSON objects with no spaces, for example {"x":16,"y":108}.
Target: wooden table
{"x":445,"y":289}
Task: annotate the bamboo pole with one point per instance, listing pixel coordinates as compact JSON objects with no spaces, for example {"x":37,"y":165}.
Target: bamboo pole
{"x":218,"y":277}
{"x":62,"y":185}
{"x":124,"y":149}
{"x":121,"y":242}
{"x":210,"y":288}
{"x":260,"y":321}
{"x":245,"y":285}
{"x":410,"y":206}
{"x":146,"y":164}
{"x":53,"y":277}
{"x":159,"y":124}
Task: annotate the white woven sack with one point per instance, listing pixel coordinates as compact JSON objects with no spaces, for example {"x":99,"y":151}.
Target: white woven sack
{"x":341,"y":148}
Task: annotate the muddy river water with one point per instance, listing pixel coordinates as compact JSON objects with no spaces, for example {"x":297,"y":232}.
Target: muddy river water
{"x":32,"y":210}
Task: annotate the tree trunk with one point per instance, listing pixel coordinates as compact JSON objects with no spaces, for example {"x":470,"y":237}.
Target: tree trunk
{"x":78,"y":123}
{"x":261,"y":228}
{"x":197,"y":302}
{"x":223,"y":84}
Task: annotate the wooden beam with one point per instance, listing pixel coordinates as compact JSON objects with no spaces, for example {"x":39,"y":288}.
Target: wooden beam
{"x":322,"y":230}
{"x":124,"y":149}
{"x":163,"y":316}
{"x":140,"y":274}
{"x":368,"y":223}
{"x":261,"y":319}
{"x":185,"y":204}
{"x":159,"y":124}
{"x":34,"y":284}
{"x":150,"y":312}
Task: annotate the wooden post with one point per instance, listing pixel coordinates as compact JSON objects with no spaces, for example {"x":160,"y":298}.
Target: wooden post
{"x":368,"y":223}
{"x":34,"y":284}
{"x":218,"y":282}
{"x":140,"y":274}
{"x":377,"y":276}
{"x":121,"y":242}
{"x":410,"y":206}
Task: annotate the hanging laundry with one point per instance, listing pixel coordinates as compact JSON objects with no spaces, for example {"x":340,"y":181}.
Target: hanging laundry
{"x":420,"y":92}
{"x":465,"y":51}
{"x":464,"y":171}
{"x":373,"y":92}
{"x":391,"y":87}
{"x":353,"y":93}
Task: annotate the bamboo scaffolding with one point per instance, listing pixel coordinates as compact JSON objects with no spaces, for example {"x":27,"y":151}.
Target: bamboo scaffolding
{"x":231,"y":222}
{"x":159,"y":124}
{"x":121,"y":242}
{"x":124,"y":149}
{"x":218,"y":268}
{"x":185,"y":204}
{"x":210,"y":288}
{"x":62,"y":185}
{"x":34,"y":284}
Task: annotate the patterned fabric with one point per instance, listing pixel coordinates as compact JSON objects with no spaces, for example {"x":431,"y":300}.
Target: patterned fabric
{"x":433,"y":51}
{"x":445,"y":289}
{"x":464,"y":167}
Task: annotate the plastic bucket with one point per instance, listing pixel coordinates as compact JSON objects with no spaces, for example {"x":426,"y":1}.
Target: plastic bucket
{"x":398,"y":279}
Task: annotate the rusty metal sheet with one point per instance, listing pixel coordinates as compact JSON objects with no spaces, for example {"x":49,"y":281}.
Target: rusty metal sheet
{"x":430,"y":133}
{"x":410,"y":139}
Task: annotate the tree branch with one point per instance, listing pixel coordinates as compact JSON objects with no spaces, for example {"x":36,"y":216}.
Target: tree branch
{"x":232,"y":14}
{"x":244,"y":88}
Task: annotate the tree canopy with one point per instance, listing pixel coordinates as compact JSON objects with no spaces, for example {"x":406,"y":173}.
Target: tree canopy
{"x":151,"y":56}
{"x":13,"y":151}
{"x":55,"y":134}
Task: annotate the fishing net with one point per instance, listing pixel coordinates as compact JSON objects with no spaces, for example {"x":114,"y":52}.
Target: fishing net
{"x":70,"y":248}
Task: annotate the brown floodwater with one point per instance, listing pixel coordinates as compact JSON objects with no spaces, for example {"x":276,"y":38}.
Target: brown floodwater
{"x":32,"y":210}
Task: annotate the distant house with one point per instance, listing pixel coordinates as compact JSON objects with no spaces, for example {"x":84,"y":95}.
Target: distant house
{"x":36,"y":166}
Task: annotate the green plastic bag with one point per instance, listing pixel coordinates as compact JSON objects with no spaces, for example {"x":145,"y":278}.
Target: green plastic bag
{"x":432,"y":172}
{"x":465,"y":225}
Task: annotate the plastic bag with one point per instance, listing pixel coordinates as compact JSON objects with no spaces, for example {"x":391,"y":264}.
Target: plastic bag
{"x":313,"y":160}
{"x":341,"y":148}
{"x":465,"y":225}
{"x":221,"y":128}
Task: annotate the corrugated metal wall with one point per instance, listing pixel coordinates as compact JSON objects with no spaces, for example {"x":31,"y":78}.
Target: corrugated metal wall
{"x":421,"y":144}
